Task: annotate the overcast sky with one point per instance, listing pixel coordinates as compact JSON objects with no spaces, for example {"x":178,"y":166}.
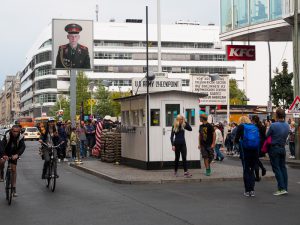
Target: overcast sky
{"x":21,"y":21}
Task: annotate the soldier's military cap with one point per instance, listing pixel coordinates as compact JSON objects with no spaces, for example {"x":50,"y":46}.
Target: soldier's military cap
{"x":73,"y":28}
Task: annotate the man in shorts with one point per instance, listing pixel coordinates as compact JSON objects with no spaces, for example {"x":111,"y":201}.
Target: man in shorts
{"x":207,"y":141}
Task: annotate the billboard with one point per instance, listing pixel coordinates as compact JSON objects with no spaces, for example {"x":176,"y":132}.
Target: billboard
{"x":72,"y":44}
{"x":240,"y":52}
{"x":217,"y":91}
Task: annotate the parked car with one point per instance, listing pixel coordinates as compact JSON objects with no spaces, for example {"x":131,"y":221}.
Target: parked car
{"x":31,"y":133}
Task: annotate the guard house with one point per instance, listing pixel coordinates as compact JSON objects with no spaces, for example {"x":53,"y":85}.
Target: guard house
{"x":164,"y":107}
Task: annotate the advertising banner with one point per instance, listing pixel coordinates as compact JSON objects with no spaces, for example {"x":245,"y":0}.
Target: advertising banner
{"x":240,"y":52}
{"x":72,"y":44}
{"x":217,"y":90}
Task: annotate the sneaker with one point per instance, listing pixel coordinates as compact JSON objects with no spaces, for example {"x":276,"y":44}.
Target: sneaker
{"x":187,"y":175}
{"x":252,"y":194}
{"x":58,"y":160}
{"x":176,"y":174}
{"x":15,"y":192}
{"x":280,"y":192}
{"x":66,"y":160}
{"x":208,"y":172}
{"x":247,"y":194}
{"x":1,"y":180}
{"x":257,"y":179}
{"x":292,"y":157}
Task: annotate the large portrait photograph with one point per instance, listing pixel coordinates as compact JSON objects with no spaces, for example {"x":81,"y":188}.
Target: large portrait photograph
{"x":72,"y":44}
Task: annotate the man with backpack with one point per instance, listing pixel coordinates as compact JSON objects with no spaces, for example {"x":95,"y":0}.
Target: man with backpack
{"x":247,"y":136}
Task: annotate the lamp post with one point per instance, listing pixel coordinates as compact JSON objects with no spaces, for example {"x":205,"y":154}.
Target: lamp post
{"x":91,"y":86}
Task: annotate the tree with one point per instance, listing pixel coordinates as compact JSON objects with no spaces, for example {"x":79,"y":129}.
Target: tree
{"x":237,"y":96}
{"x":281,"y":87}
{"x":62,"y":103}
{"x":82,"y":93}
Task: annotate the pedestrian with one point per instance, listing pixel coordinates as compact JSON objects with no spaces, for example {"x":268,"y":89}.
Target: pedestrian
{"x":82,"y":137}
{"x":63,"y":137}
{"x":73,"y":141}
{"x":219,"y":143}
{"x":262,"y":134}
{"x":179,"y":144}
{"x":68,"y":129}
{"x":90,"y":136}
{"x":291,"y":140}
{"x":247,"y":135}
{"x":279,"y":132}
{"x":207,"y":141}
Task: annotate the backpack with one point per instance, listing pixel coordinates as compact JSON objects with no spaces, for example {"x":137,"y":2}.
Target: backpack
{"x":251,"y":139}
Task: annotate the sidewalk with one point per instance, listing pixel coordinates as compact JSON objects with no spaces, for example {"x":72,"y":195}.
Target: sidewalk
{"x":122,"y":174}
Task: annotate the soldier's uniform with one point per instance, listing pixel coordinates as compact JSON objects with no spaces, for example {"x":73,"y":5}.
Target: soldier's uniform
{"x":67,"y":57}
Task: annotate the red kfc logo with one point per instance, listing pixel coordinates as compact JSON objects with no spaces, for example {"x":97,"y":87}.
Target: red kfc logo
{"x":240,"y":52}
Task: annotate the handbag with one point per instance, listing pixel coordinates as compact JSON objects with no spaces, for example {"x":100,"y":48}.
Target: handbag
{"x":266,"y":145}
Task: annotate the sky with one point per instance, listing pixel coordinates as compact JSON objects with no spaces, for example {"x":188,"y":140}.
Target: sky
{"x":21,"y":22}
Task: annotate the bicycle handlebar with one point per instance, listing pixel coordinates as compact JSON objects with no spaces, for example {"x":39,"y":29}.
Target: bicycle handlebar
{"x":51,"y":146}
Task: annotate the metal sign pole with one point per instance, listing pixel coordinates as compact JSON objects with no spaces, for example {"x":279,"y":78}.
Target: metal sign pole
{"x":73,"y":75}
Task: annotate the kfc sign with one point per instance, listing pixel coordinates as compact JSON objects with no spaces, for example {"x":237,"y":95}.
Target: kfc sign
{"x":240,"y":52}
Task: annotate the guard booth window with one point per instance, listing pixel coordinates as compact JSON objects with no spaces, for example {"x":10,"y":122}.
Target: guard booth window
{"x":190,"y":116}
{"x":172,"y":110}
{"x":155,"y":117}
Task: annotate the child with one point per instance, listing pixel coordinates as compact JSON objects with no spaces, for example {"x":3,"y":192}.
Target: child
{"x":74,"y":140}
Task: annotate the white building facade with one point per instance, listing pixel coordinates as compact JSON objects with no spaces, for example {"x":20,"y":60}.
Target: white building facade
{"x":120,"y":56}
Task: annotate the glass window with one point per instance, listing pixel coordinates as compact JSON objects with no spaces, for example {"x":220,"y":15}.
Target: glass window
{"x":172,"y":110}
{"x":275,"y":9}
{"x":240,"y":13}
{"x":258,"y":11}
{"x":43,"y":84}
{"x":155,"y":117}
{"x":190,"y":116}
{"x":226,"y":15}
{"x":135,"y":117}
{"x":43,"y":57}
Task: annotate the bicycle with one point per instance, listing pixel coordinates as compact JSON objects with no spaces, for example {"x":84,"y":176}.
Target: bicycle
{"x":52,"y":167}
{"x":9,"y":182}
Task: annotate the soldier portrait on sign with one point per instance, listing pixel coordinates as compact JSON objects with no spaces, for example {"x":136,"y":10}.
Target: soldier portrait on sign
{"x":72,"y":44}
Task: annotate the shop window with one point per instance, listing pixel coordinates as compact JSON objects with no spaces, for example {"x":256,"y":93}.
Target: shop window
{"x":190,"y":116}
{"x":155,"y":117}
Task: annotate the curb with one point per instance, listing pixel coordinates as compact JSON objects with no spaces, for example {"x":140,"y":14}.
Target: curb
{"x":161,"y":181}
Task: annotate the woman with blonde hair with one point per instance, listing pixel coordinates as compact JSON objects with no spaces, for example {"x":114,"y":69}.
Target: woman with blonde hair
{"x":247,"y":136}
{"x":179,"y":144}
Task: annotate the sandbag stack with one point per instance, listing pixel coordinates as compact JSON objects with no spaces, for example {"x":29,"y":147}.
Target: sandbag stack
{"x":111,"y":145}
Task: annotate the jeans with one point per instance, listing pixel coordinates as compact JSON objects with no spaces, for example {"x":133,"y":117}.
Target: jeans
{"x":82,"y":148}
{"x":292,"y":148}
{"x":218,"y":152}
{"x":277,"y":158}
{"x":180,"y":148}
{"x":249,"y":159}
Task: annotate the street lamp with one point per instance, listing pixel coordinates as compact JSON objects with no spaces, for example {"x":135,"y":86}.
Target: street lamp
{"x":91,"y":86}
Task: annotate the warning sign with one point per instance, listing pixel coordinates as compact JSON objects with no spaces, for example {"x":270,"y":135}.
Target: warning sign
{"x":216,"y":90}
{"x":295,"y":106}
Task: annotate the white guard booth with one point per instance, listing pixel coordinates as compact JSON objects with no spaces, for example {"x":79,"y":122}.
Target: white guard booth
{"x":164,"y":107}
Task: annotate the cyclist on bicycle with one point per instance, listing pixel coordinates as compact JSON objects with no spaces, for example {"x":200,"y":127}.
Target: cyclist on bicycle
{"x":13,"y":146}
{"x":49,"y":136}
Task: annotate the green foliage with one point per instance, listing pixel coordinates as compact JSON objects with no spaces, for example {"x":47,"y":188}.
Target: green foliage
{"x":82,"y":93}
{"x":281,"y":87}
{"x":64,"y":104}
{"x":237,"y":96}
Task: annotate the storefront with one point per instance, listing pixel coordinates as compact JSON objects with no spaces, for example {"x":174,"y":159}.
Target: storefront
{"x":164,"y":107}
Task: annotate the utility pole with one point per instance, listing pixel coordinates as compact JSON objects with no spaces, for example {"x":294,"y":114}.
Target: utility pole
{"x":159,"y":69}
{"x":296,"y":73}
{"x":97,"y":13}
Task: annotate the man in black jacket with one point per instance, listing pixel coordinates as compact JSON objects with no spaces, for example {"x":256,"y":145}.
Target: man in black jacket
{"x":13,"y":146}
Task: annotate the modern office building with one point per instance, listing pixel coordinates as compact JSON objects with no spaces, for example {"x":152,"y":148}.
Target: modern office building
{"x":120,"y":55}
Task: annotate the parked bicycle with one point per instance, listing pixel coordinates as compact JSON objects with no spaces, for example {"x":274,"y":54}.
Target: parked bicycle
{"x":51,"y":174}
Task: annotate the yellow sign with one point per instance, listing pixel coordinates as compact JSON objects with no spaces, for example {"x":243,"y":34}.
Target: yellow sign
{"x":91,"y":101}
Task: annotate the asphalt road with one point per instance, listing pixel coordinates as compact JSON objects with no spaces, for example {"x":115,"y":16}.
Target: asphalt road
{"x":87,"y":200}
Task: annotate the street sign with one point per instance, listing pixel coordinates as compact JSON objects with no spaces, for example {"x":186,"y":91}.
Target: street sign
{"x":216,"y":90}
{"x":295,"y":106}
{"x":91,"y":101}
{"x":158,"y":84}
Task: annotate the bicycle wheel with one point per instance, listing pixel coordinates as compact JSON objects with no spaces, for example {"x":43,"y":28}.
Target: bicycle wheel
{"x":52,"y":183}
{"x":48,"y":174}
{"x":8,"y":186}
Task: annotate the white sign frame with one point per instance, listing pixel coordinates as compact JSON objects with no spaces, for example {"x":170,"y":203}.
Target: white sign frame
{"x":59,"y":38}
